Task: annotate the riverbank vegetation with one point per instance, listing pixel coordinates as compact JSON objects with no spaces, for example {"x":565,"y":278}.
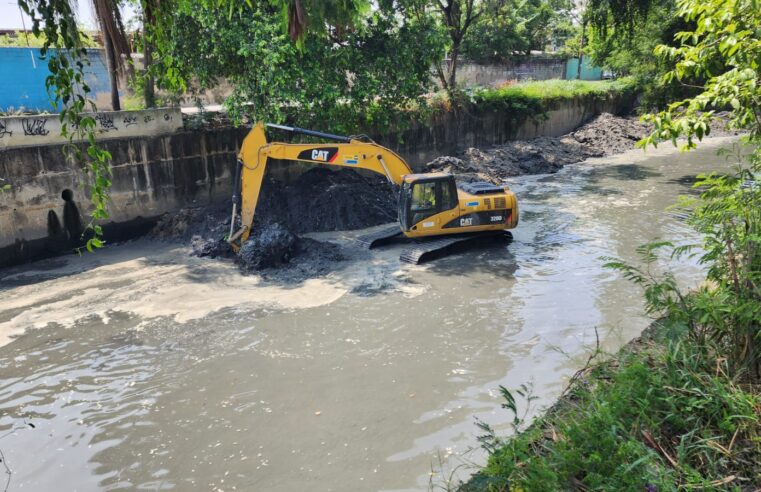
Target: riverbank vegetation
{"x":657,"y":419}
{"x":684,"y":411}
{"x":536,"y":96}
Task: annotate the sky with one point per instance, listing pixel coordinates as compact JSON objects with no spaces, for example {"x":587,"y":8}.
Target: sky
{"x":10,"y":15}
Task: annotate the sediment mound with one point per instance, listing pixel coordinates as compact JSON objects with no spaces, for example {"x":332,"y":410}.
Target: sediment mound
{"x":605,"y":135}
{"x":318,"y":200}
{"x":540,"y":155}
{"x":272,"y":245}
{"x":608,"y":134}
{"x":325,"y":200}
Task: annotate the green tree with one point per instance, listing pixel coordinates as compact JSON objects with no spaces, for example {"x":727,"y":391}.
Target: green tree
{"x":510,"y":28}
{"x":724,"y":47}
{"x":343,"y":79}
{"x":628,"y":50}
{"x":25,"y":39}
{"x":455,"y":18}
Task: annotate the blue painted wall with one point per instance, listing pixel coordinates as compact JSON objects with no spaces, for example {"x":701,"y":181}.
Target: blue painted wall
{"x":23,"y":74}
{"x":588,"y":71}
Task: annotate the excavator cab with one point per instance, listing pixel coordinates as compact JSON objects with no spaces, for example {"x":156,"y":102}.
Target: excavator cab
{"x":423,"y":197}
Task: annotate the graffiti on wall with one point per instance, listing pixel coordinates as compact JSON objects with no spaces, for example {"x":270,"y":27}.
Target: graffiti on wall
{"x":4,"y":130}
{"x":46,"y":129}
{"x":35,"y":127}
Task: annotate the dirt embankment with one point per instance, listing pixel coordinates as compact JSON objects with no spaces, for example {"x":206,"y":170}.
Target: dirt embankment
{"x":326,"y":200}
{"x":603,"y":136}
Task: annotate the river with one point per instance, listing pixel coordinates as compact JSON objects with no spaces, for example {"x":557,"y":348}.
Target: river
{"x":140,"y":367}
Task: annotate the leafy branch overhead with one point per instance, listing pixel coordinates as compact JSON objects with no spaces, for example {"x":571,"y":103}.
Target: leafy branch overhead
{"x":56,"y":23}
{"x":723,"y":47}
{"x":345,"y":80}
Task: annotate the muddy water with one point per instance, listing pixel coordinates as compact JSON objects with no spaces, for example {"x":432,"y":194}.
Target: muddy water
{"x":142,"y":368}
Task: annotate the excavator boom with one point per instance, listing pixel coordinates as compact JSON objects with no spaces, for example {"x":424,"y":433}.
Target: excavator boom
{"x":256,"y":152}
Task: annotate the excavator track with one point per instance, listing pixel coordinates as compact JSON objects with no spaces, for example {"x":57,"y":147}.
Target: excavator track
{"x":383,"y":236}
{"x":425,"y":250}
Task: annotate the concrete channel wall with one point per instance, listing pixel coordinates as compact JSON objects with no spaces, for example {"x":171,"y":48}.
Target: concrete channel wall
{"x":166,"y":168}
{"x":423,"y":143}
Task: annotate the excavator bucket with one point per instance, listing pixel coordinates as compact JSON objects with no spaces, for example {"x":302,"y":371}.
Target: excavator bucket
{"x":251,"y":175}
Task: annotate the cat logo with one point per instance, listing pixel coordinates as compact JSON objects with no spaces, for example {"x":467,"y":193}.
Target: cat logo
{"x":466,"y":221}
{"x":320,"y":155}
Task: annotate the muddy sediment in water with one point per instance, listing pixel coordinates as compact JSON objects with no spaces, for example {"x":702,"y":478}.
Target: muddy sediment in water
{"x":318,"y":200}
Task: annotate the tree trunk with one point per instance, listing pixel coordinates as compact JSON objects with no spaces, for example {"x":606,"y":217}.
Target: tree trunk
{"x":453,"y":65}
{"x":581,"y":49}
{"x":149,"y":23}
{"x":149,"y":94}
{"x":112,"y":75}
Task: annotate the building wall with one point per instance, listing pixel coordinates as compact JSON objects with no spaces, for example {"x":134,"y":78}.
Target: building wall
{"x":23,"y":73}
{"x":528,"y":68}
{"x":588,"y":71}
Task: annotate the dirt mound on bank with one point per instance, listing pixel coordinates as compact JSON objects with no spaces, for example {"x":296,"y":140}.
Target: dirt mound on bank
{"x":605,"y":135}
{"x":608,"y":134}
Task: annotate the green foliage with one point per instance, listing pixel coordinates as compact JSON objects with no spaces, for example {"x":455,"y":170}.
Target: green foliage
{"x":510,"y":28}
{"x":55,"y":22}
{"x":361,"y":80}
{"x":659,"y":422}
{"x":22,"y":40}
{"x":630,"y":52}
{"x":623,"y":15}
{"x":540,"y":96}
{"x":724,"y":47}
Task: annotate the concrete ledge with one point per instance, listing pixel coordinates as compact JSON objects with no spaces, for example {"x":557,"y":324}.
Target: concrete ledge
{"x":45,"y":129}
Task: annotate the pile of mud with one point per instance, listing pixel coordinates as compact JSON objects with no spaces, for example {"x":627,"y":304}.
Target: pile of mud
{"x":603,"y":136}
{"x":318,"y":200}
{"x":325,"y":200}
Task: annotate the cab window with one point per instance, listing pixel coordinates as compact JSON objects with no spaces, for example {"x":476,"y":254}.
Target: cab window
{"x":448,"y":196}
{"x":423,"y":201}
{"x":423,"y":196}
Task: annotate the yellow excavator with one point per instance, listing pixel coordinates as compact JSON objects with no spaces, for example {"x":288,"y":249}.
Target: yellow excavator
{"x":434,"y":211}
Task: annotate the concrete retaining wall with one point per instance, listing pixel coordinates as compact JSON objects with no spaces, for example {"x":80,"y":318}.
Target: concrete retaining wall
{"x":421,"y":144}
{"x":46,"y":208}
{"x":45,"y":129}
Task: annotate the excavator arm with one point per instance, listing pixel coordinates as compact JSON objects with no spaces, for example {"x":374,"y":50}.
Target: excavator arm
{"x":345,"y":152}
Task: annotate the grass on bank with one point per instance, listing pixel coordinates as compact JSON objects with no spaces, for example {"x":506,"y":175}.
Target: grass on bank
{"x":661,"y":418}
{"x":655,"y":420}
{"x":541,"y":95}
